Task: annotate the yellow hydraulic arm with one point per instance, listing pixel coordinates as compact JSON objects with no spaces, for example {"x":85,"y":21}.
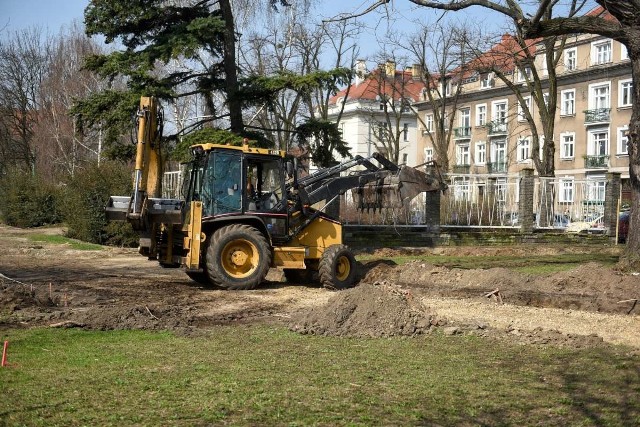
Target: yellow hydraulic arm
{"x":148,"y":168}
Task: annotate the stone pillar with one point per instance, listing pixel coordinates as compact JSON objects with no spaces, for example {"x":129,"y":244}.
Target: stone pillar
{"x":611,"y":197}
{"x":432,"y":210}
{"x":525,"y":204}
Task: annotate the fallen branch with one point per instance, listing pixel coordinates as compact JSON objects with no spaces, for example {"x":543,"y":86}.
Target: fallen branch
{"x":494,"y":294}
{"x":150,"y":313}
{"x":67,"y":324}
{"x":635,"y":302}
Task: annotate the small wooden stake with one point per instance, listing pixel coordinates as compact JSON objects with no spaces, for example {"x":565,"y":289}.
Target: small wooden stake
{"x":4,"y":353}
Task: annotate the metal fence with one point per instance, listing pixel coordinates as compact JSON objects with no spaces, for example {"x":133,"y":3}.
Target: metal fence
{"x":474,"y":201}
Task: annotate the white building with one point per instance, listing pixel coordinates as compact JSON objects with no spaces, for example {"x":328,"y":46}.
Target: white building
{"x":376,"y":114}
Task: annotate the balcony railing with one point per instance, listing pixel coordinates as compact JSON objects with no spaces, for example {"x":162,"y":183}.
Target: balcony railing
{"x":598,"y":115}
{"x":496,"y":127}
{"x":464,"y":169}
{"x":600,"y":161}
{"x":497,"y":167}
{"x":462,"y":132}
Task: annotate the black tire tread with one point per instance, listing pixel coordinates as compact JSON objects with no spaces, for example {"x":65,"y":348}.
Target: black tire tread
{"x":326,"y":270}
{"x":218,"y":277}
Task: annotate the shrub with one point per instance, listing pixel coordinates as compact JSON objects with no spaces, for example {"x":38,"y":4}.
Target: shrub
{"x":85,"y":198}
{"x":28,"y":201}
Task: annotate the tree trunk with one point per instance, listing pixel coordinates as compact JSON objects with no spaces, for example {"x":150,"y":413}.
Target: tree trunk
{"x":230,"y":70}
{"x":631,"y":256}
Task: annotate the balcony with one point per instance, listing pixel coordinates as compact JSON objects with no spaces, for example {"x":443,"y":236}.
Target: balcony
{"x":463,"y":169}
{"x":497,"y":167}
{"x":596,"y":162}
{"x":497,"y":127}
{"x":462,"y":132}
{"x":599,"y":115}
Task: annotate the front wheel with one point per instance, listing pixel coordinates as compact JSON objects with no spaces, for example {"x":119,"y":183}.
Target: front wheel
{"x":238,"y":257}
{"x":337,"y":268}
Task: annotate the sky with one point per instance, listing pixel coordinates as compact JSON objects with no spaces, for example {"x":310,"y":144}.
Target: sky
{"x":52,"y":15}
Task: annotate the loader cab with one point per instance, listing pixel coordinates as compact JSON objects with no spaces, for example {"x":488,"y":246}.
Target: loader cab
{"x":233,"y":181}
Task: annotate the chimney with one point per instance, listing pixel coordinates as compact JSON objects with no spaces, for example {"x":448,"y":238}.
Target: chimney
{"x":361,"y":71}
{"x":390,"y":68}
{"x":416,"y":71}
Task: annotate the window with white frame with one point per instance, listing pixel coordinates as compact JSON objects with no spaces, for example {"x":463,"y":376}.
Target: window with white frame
{"x":405,"y":157}
{"x":623,"y":139}
{"x":568,"y":102}
{"x":481,"y":114}
{"x":501,"y":190}
{"x":598,"y":142}
{"x":521,"y":108}
{"x":625,"y":93}
{"x":465,"y":117}
{"x":428,"y":154}
{"x":461,"y":188}
{"x":571,"y":59}
{"x":600,"y":96}
{"x":463,"y":157}
{"x":405,"y":131}
{"x":499,"y":111}
{"x":481,"y":153}
{"x":624,"y":52}
{"x":596,"y":188}
{"x":524,"y":149}
{"x":523,"y":74}
{"x":565,"y":186}
{"x":567,"y":145}
{"x":428,"y":122}
{"x":486,"y":80}
{"x":601,"y":52}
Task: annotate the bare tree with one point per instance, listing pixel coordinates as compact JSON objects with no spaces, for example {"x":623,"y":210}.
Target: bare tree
{"x":441,"y":54}
{"x":24,"y":59}
{"x":546,"y":19}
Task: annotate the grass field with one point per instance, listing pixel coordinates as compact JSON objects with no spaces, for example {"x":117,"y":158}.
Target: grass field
{"x":533,"y":264}
{"x":260,"y":375}
{"x":61,"y":240}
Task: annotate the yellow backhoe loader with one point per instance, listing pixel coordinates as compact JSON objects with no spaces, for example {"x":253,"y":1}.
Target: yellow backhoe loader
{"x":245,"y":210}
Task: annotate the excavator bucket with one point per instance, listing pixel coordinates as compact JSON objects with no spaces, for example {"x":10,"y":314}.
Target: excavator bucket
{"x":397,"y":188}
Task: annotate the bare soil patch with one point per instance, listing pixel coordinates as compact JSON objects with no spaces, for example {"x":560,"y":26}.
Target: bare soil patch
{"x":115,"y":288}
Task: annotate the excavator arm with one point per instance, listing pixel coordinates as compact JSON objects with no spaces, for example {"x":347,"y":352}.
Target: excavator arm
{"x":384,"y":186}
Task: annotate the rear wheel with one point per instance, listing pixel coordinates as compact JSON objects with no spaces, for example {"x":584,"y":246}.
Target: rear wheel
{"x":238,"y":257}
{"x":337,"y":268}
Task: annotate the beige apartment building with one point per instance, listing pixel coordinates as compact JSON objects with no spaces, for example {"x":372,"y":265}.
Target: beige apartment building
{"x":492,"y":139}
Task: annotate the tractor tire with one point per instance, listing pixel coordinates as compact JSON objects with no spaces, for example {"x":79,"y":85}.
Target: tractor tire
{"x":337,"y":268}
{"x":238,"y":257}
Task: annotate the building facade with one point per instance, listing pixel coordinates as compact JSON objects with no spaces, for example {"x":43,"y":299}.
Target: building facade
{"x":493,"y":139}
{"x":375,"y":113}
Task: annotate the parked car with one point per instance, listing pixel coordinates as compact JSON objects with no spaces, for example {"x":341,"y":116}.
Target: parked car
{"x":623,"y":226}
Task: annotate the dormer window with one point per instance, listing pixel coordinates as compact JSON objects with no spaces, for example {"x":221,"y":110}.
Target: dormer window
{"x":486,"y":80}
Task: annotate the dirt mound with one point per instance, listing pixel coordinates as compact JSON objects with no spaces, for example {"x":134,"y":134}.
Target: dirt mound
{"x":15,"y":297}
{"x":369,"y":310}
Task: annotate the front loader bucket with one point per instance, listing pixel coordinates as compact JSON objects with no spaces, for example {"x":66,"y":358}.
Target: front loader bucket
{"x":157,"y":210}
{"x":397,"y":189}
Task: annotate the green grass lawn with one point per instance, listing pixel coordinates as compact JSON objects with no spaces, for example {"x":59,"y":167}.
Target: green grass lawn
{"x":61,"y":240}
{"x":534,"y":264}
{"x":259,"y":375}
